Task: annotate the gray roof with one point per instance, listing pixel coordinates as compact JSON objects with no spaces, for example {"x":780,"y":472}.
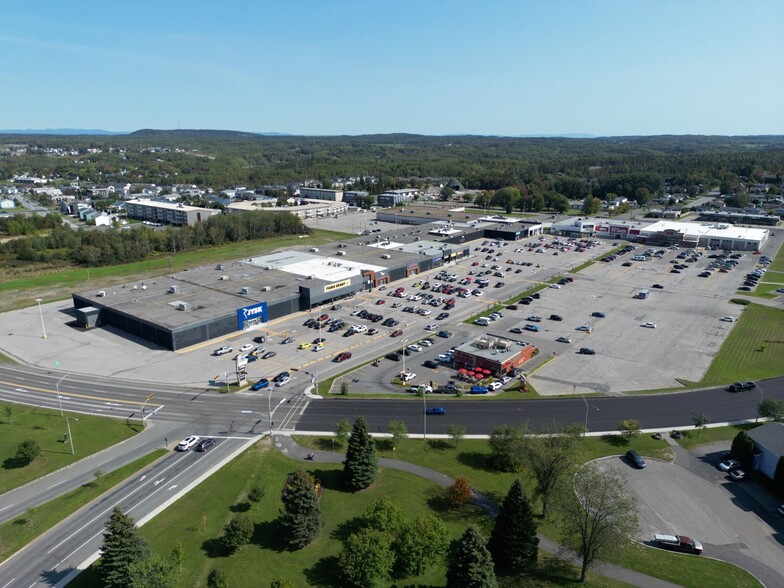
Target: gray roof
{"x":770,"y":436}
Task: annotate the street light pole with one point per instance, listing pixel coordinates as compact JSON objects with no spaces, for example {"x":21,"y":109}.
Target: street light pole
{"x":59,"y":399}
{"x":762,"y":395}
{"x":70,"y":437}
{"x":424,"y":416}
{"x":587,"y":407}
{"x":41,"y":312}
{"x":226,"y":369}
{"x":269,"y":408}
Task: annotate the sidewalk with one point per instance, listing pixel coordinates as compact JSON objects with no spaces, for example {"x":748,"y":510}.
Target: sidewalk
{"x":287,"y":445}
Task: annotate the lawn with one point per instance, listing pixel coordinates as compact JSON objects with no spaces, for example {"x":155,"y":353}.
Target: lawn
{"x":754,"y":349}
{"x":17,"y":533}
{"x":90,"y":434}
{"x":197,"y":519}
{"x":778,"y":261}
{"x":58,"y":283}
{"x":692,"y":439}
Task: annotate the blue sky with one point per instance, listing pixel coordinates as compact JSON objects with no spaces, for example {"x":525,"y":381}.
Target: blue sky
{"x":419,"y":66}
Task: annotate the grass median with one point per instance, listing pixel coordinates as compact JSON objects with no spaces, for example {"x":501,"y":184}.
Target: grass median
{"x":47,"y":428}
{"x":19,"y":532}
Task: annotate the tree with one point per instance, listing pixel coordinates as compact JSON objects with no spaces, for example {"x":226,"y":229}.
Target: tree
{"x":513,"y":542}
{"x":419,"y":545}
{"x":591,"y":205}
{"x":342,"y":429}
{"x":743,"y":449}
{"x":385,"y":514}
{"x":599,"y":515}
{"x":699,"y":421}
{"x":281,"y":583}
{"x":456,"y":433}
{"x":446,"y":193}
{"x":8,"y":411}
{"x":361,"y":464}
{"x":629,"y":428}
{"x":366,"y":558}
{"x":470,"y":565}
{"x":217,"y":579}
{"x":398,"y":430}
{"x":344,"y":388}
{"x":550,"y":456}
{"x":237,"y":532}
{"x":255,"y":495}
{"x":506,"y":448}
{"x":459,"y":492}
{"x":154,"y":572}
{"x":773,"y":409}
{"x":178,"y":555}
{"x":122,"y":547}
{"x":301,"y":519}
{"x":27,"y":451}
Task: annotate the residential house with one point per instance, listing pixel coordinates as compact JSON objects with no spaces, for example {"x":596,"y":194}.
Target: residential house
{"x":769,"y":443}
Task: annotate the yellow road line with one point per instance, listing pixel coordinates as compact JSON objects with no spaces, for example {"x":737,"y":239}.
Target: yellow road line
{"x":85,"y":396}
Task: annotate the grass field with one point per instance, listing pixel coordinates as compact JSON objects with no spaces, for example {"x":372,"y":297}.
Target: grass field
{"x":57,"y":283}
{"x":711,"y":435}
{"x":778,"y":260}
{"x":197,"y":519}
{"x":17,"y":533}
{"x":90,"y":434}
{"x":754,"y":349}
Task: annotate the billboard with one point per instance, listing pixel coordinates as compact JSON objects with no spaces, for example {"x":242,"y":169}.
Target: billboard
{"x":255,"y":313}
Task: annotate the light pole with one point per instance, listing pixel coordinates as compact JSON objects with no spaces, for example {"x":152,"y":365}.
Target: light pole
{"x":70,"y":437}
{"x":587,"y":407}
{"x":41,"y":312}
{"x":226,"y":368}
{"x":424,"y":415}
{"x":59,"y":399}
{"x":404,"y":341}
{"x":762,"y":395}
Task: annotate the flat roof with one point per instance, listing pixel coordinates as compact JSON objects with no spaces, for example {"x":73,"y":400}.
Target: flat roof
{"x":709,"y":229}
{"x":250,"y":205}
{"x":306,"y":264}
{"x":170,"y":205}
{"x":500,"y":349}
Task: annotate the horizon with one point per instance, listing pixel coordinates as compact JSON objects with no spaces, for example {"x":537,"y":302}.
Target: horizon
{"x":605,"y":68}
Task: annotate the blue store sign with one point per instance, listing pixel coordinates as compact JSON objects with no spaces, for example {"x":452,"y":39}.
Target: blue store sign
{"x":255,"y":313}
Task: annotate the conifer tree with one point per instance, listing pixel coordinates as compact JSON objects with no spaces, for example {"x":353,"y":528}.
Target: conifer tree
{"x":513,"y":543}
{"x":361,"y":464}
{"x":471,"y":565}
{"x":122,"y":547}
{"x":301,"y":519}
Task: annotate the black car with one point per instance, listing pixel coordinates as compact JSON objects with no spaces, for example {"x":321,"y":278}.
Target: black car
{"x":281,"y":376}
{"x":741,"y":386}
{"x":259,"y":339}
{"x":269,"y":355}
{"x":556,"y":317}
{"x":205,"y":444}
{"x":394,"y":356}
{"x":442,"y":316}
{"x":536,"y":295}
{"x":636,"y":459}
{"x":430,"y":364}
{"x":309,"y":322}
{"x":586,"y":351}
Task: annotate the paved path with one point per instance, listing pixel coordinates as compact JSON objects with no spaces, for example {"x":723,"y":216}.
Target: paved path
{"x":288,"y":446}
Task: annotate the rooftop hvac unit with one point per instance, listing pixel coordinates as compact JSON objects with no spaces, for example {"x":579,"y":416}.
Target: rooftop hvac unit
{"x":223,"y":278}
{"x":386,"y":256}
{"x":101,"y":293}
{"x":244,"y":290}
{"x":144,"y":286}
{"x":183,"y":306}
{"x":173,"y":289}
{"x":503,"y":344}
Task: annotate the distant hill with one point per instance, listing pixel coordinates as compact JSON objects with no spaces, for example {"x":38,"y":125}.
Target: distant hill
{"x":199,"y":134}
{"x":59,"y":132}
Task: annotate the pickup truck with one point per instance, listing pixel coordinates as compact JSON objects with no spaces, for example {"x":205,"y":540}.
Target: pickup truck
{"x":678,"y":543}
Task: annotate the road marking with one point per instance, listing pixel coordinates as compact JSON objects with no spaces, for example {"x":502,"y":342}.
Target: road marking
{"x":9,"y":583}
{"x":5,"y":507}
{"x":86,"y":396}
{"x":58,"y":483}
{"x":172,"y":487}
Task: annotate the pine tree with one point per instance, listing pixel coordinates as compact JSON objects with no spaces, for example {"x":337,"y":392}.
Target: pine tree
{"x":471,"y":565}
{"x":513,"y":543}
{"x":122,"y":547}
{"x":361,"y":464}
{"x":301,"y":518}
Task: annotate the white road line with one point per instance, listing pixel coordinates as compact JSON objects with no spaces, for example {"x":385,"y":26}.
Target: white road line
{"x":9,"y":583}
{"x":1,"y":510}
{"x":58,"y":483}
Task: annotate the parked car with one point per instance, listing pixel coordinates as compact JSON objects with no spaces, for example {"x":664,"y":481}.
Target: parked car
{"x":430,"y":364}
{"x":396,"y":333}
{"x":636,"y":459}
{"x":563,"y":339}
{"x":407,"y":376}
{"x":394,"y":356}
{"x":737,"y":475}
{"x":531,"y":328}
{"x":728,"y":319}
{"x":245,"y":348}
{"x":516,"y":330}
{"x":287,"y":340}
{"x":534,"y":319}
{"x":188,"y":443}
{"x":729,"y":465}
{"x":678,"y":543}
{"x":222,"y":350}
{"x":205,"y":444}
{"x":478,"y":390}
{"x":598,"y":314}
{"x":269,"y":355}
{"x":342,"y":356}
{"x":648,"y":325}
{"x":259,"y":384}
{"x":259,"y":339}
{"x":586,"y":351}
{"x":304,"y":346}
{"x":283,"y":381}
{"x":556,"y":317}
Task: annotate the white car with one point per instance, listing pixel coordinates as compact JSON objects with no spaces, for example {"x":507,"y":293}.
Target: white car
{"x":359,"y":328}
{"x":444,"y":358}
{"x":729,"y":465}
{"x":283,"y":381}
{"x":505,"y":380}
{"x":407,"y":376}
{"x":356,"y":313}
{"x":259,"y":350}
{"x":555,"y":286}
{"x":648,"y":325}
{"x":585,"y":328}
{"x":425,"y":312}
{"x":478,"y":293}
{"x":494,"y":386}
{"x":222,"y":350}
{"x":426,"y":342}
{"x":431,"y":327}
{"x":728,"y":319}
{"x":188,"y":443}
{"x":414,"y":347}
{"x":245,"y":348}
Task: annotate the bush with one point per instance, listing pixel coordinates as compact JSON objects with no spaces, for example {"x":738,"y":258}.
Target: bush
{"x":459,"y":493}
{"x":27,"y":451}
{"x":237,"y":532}
{"x":217,"y":579}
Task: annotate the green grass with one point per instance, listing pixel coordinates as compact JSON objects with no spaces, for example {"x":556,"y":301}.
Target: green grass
{"x":692,"y":439}
{"x":90,"y":434}
{"x":58,"y":283}
{"x":5,"y":359}
{"x":590,"y":262}
{"x":197,"y":519}
{"x":778,"y":261}
{"x":754,"y":349}
{"x":19,"y":532}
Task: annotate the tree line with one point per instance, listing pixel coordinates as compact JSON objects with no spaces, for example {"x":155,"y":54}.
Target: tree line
{"x":91,"y":248}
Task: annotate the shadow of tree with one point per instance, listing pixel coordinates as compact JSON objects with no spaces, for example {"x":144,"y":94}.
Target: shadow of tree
{"x":13,"y":463}
{"x":615,"y":440}
{"x":476,"y":460}
{"x":52,"y":577}
{"x":214,"y":548}
{"x":384,"y":444}
{"x":240,"y":507}
{"x":324,"y":573}
{"x":330,"y":479}
{"x":556,"y":571}
{"x":267,"y":536}
{"x":346,"y":528}
{"x":328,"y":444}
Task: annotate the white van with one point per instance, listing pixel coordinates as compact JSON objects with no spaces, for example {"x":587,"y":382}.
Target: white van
{"x":482,"y":321}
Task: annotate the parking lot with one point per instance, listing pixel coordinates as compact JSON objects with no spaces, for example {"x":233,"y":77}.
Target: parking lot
{"x":686,"y":311}
{"x":672,"y":500}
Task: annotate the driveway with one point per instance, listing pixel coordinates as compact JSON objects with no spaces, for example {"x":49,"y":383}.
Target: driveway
{"x":673,"y":500}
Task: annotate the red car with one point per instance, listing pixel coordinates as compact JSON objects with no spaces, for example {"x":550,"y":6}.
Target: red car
{"x":342,"y":357}
{"x":323,"y":317}
{"x":379,"y":301}
{"x":475,"y":263}
{"x":396,"y":333}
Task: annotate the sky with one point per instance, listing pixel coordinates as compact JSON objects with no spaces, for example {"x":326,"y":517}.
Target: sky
{"x":332,"y":67}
